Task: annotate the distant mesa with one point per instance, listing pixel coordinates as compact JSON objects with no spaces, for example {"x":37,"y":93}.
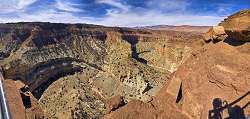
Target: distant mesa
{"x":183,"y":28}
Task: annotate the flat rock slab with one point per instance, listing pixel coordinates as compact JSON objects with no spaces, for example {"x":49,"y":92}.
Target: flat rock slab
{"x":174,"y":87}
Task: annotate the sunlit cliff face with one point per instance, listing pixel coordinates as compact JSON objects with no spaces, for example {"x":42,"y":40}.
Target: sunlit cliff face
{"x":136,"y":63}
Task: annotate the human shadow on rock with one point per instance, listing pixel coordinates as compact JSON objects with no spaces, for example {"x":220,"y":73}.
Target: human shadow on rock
{"x":216,"y":113}
{"x":234,"y":111}
{"x":133,"y":40}
{"x":26,"y":100}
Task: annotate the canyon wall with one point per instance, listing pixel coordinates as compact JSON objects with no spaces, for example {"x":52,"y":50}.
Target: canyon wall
{"x":212,"y":83}
{"x":72,"y":69}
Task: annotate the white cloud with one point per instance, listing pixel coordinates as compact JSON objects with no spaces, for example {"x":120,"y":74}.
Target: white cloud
{"x":153,"y":15}
{"x":49,"y":15}
{"x":24,"y":3}
{"x":115,"y":3}
{"x":156,"y":18}
{"x":46,"y":16}
{"x":121,"y":15}
{"x":225,"y":9}
{"x":67,"y":6}
{"x":8,"y":6}
{"x":169,"y":5}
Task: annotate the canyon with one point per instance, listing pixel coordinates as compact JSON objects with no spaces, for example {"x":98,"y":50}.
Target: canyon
{"x":81,"y":71}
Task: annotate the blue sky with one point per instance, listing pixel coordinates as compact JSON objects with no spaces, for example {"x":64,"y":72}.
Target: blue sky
{"x":121,"y":12}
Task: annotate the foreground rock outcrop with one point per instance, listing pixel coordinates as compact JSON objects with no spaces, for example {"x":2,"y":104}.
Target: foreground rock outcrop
{"x":210,"y":76}
{"x":212,"y":83}
{"x":22,"y":104}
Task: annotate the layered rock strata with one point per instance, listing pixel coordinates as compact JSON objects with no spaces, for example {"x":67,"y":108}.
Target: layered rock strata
{"x":72,"y":69}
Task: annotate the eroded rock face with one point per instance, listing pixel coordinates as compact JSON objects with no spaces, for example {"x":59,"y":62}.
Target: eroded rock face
{"x":22,"y":104}
{"x":212,"y":83}
{"x":72,"y":97}
{"x":211,"y":73}
{"x":237,"y":26}
{"x":13,"y":96}
{"x":73,"y":69}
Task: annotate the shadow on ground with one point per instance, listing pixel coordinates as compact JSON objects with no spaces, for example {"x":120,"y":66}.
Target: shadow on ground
{"x":133,"y":40}
{"x":234,"y":111}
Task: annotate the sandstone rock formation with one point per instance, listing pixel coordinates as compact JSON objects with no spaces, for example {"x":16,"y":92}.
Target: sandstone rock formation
{"x":21,"y":102}
{"x":212,"y":83}
{"x":237,"y":26}
{"x":215,"y":34}
{"x":72,"y":69}
{"x":15,"y":101}
{"x":114,"y":103}
{"x":211,"y":73}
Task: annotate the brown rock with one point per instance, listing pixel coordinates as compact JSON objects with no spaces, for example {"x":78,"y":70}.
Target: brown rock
{"x":214,"y":83}
{"x":174,"y":87}
{"x":134,"y":110}
{"x":114,"y":103}
{"x":215,"y":34}
{"x":32,"y":107}
{"x":34,"y":111}
{"x":139,"y":110}
{"x":19,"y":84}
{"x":214,"y":73}
{"x":237,"y":26}
{"x":23,"y":105}
{"x":14,"y":99}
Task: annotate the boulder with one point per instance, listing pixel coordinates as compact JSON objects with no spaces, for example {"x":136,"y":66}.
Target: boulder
{"x":114,"y":103}
{"x":215,"y":34}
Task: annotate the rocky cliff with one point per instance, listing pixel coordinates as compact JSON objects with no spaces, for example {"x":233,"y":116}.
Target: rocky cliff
{"x":237,"y":25}
{"x":72,"y":69}
{"x":212,"y":83}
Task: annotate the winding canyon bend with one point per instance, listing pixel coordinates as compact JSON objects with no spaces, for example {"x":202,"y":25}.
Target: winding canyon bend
{"x":70,"y":71}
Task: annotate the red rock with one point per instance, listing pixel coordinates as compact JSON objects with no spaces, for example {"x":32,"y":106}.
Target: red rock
{"x":134,"y":110}
{"x":114,"y":103}
{"x":215,"y":34}
{"x":23,"y":105}
{"x":237,"y":26}
{"x":216,"y":71}
{"x":14,"y":99}
{"x":35,"y":111}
